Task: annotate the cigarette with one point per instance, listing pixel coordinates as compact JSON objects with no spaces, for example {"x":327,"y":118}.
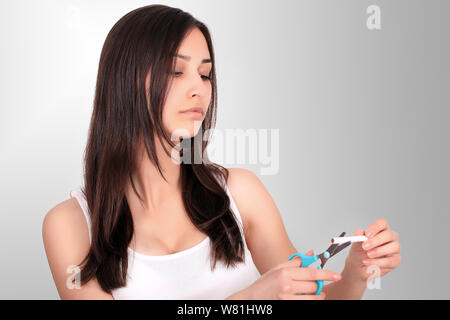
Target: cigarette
{"x":346,"y":239}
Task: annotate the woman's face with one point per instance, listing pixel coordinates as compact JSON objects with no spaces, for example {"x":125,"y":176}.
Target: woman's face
{"x":190,"y":87}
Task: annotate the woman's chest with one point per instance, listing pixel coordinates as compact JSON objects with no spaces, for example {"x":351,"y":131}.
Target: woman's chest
{"x":167,"y":232}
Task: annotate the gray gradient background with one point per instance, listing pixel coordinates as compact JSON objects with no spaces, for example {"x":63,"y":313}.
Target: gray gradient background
{"x":363,"y":118}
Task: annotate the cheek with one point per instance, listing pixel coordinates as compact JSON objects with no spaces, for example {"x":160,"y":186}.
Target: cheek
{"x":171,"y":118}
{"x":170,"y":107}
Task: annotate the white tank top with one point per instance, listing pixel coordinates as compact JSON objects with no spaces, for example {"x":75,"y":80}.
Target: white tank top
{"x":182,"y":275}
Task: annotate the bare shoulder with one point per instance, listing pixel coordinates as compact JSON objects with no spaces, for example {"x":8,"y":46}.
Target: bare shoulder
{"x":66,"y":241}
{"x":245,"y":188}
{"x":69,"y":217}
{"x":266,"y":234}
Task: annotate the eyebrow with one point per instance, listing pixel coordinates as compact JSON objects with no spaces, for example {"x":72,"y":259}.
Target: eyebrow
{"x":187,"y":58}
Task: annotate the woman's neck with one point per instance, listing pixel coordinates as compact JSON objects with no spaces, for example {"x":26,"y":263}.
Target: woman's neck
{"x":149,"y":182}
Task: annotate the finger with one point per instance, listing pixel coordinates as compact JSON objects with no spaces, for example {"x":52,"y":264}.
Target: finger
{"x":381,"y":238}
{"x":314,"y":274}
{"x":297,"y":287}
{"x":387,"y":249}
{"x":376,"y":227}
{"x":298,"y":261}
{"x":389,"y":262}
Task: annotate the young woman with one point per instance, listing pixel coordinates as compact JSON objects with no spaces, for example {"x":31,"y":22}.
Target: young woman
{"x":152,"y":223}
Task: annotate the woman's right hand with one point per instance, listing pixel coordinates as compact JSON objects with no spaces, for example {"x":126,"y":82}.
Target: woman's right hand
{"x":287,"y":281}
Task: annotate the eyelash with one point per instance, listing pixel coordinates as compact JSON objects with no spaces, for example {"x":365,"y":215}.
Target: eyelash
{"x":207,"y":78}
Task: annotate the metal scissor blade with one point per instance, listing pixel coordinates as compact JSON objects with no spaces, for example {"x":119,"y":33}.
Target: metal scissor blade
{"x":333,"y":247}
{"x":340,"y":248}
{"x":323,"y":260}
{"x":332,"y":250}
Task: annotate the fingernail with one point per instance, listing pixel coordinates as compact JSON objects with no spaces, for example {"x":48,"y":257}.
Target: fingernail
{"x":368,"y":234}
{"x":337,"y":276}
{"x":366,"y":245}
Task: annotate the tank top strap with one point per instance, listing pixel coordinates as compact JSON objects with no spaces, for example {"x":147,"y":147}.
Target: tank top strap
{"x":233,"y":205}
{"x":79,"y":195}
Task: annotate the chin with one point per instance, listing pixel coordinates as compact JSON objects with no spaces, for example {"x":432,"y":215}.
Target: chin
{"x":187,"y":129}
{"x":185,"y":133}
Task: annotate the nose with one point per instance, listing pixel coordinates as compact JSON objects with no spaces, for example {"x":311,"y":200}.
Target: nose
{"x":197,"y":86}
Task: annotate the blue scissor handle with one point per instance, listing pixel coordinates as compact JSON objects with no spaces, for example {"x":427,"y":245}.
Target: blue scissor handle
{"x":306,"y":261}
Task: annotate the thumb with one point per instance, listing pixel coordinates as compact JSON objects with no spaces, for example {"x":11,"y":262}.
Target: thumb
{"x":294,"y":262}
{"x":359,"y":232}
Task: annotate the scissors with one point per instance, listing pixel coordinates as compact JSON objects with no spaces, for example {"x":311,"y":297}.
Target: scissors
{"x":324,"y":256}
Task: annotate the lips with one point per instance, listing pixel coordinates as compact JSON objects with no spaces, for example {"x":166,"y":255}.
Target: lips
{"x":195,"y":109}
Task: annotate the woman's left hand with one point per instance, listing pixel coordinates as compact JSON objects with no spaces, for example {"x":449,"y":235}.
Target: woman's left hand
{"x":382,"y":249}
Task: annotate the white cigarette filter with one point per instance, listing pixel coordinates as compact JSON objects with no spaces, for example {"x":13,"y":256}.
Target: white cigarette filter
{"x":346,"y":239}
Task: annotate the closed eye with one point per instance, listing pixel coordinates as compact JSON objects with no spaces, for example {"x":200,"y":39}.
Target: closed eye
{"x":206,"y":78}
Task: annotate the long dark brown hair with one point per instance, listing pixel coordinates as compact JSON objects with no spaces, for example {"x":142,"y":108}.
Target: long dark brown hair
{"x":146,"y":40}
